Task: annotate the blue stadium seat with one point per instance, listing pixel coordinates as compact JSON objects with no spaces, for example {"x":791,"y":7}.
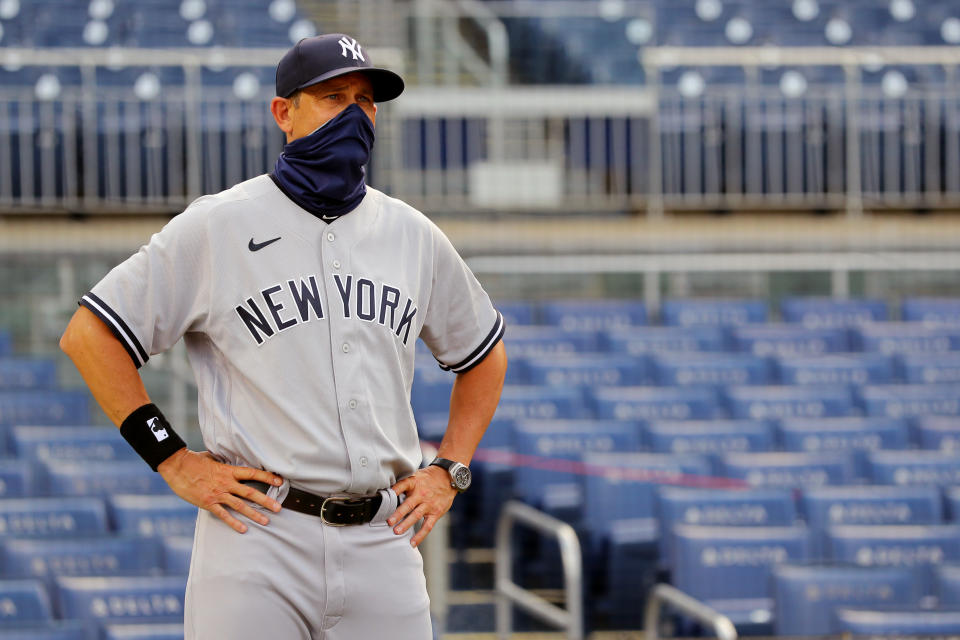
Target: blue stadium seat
{"x":585,"y":370}
{"x":555,"y":448}
{"x":905,"y":337}
{"x":149,"y":515}
{"x":134,"y":599}
{"x":722,"y":508}
{"x":540,"y":402}
{"x":710,"y":438}
{"x":779,"y":402}
{"x":846,"y":368}
{"x":920,"y":548}
{"x":71,"y":443}
{"x":940,"y":433}
{"x":952,"y":498}
{"x":618,"y":486}
{"x":780,"y":470}
{"x":710,"y":369}
{"x":24,"y":602}
{"x":6,"y":343}
{"x":52,"y":517}
{"x":911,"y":400}
{"x":826,"y":312}
{"x":18,"y":478}
{"x":854,"y":434}
{"x":655,"y":403}
{"x":101,"y":556}
{"x":947,"y":580}
{"x":431,"y":389}
{"x":594,"y":315}
{"x":534,"y":341}
{"x":914,"y":467}
{"x":517,"y":312}
{"x":156,"y":631}
{"x":885,"y":623}
{"x":55,"y":630}
{"x":176,"y":554}
{"x":930,"y":368}
{"x":786,"y":341}
{"x":806,"y":596}
{"x":712,"y":312}
{"x":825,"y":507}
{"x":711,"y":563}
{"x":120,"y":476}
{"x":931,"y":310}
{"x":27,"y":373}
{"x":44,"y":407}
{"x":642,"y":341}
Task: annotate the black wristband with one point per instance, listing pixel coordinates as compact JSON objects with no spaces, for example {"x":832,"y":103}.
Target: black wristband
{"x":150,"y":435}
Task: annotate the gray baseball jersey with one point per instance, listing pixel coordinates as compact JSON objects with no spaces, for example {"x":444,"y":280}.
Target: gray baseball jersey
{"x":302,"y":334}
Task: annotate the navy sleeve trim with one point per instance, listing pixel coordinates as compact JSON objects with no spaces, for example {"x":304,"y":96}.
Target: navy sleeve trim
{"x":480,"y":352}
{"x":119,"y":328}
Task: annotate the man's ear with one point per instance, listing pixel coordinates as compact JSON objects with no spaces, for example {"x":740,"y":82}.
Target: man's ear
{"x":280,"y":108}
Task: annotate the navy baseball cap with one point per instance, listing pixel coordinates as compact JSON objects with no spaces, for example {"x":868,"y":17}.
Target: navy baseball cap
{"x":313,"y":60}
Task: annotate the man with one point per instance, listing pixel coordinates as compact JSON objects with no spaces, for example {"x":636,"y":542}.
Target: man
{"x":300,"y":296}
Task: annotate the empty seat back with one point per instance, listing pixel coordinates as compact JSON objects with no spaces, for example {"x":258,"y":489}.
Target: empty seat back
{"x":776,"y":402}
{"x":516,"y":313}
{"x":851,"y":434}
{"x":594,"y":315}
{"x":44,"y":407}
{"x":914,"y":467}
{"x":788,"y":341}
{"x":805,"y":596}
{"x":879,"y":622}
{"x":537,"y":402}
{"x":642,"y":341}
{"x":916,"y":547}
{"x":845,"y":368}
{"x":931,"y":310}
{"x":911,"y":400}
{"x":710,"y":369}
{"x":711,"y":438}
{"x":177,"y":551}
{"x":655,"y":403}
{"x":24,"y":602}
{"x":534,"y":341}
{"x":71,"y":443}
{"x":938,"y":433}
{"x":27,"y":373}
{"x":134,"y":599}
{"x":827,"y":312}
{"x":150,"y":515}
{"x":120,"y":476}
{"x":52,"y":517}
{"x":712,"y":312}
{"x":905,"y":337}
{"x":732,"y":562}
{"x":721,"y":508}
{"x":586,"y":370}
{"x":935,"y":368}
{"x":788,"y":470}
{"x":103,"y":556}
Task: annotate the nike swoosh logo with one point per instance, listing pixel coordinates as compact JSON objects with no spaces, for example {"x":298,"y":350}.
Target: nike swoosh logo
{"x":256,"y":246}
{"x":329,"y":218}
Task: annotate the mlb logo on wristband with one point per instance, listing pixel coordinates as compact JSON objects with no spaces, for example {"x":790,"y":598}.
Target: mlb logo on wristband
{"x":156,"y":427}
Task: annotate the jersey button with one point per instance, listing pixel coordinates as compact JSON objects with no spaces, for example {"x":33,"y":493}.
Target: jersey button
{"x":331,"y":237}
{"x":345,"y":347}
{"x":336,"y":264}
{"x":353,"y":404}
{"x":363,"y":461}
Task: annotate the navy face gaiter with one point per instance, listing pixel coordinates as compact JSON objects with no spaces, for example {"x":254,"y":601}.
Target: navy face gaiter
{"x":323,"y":172}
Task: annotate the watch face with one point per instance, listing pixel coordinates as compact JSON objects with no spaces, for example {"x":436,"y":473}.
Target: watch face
{"x":461,"y":477}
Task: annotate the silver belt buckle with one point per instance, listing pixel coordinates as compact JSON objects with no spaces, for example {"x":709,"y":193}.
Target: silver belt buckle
{"x":323,"y":508}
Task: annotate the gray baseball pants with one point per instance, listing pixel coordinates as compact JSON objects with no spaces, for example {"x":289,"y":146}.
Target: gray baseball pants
{"x":300,"y":579}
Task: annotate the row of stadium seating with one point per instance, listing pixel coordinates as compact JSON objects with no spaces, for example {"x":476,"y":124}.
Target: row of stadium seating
{"x":604,"y":48}
{"x":153,"y":24}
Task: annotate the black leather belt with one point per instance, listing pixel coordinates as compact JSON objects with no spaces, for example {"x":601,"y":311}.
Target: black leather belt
{"x":336,"y":511}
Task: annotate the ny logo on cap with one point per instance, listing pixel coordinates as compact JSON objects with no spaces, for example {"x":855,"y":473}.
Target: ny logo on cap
{"x":348,"y":44}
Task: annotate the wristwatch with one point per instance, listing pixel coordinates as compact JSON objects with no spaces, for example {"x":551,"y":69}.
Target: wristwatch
{"x":460,"y":475}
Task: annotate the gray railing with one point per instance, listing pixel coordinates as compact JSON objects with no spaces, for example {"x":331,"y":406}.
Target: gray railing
{"x":663,"y":594}
{"x":509,"y":593}
{"x":88,"y":145}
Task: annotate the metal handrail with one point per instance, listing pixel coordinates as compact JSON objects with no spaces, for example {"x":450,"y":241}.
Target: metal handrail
{"x":509,"y":593}
{"x":664,"y":593}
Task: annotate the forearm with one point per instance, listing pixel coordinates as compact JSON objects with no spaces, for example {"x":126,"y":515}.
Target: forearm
{"x":105,"y":366}
{"x":472,"y":405}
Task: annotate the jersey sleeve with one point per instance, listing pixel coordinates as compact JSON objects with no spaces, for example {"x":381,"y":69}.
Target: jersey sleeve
{"x":461,"y":325}
{"x":159,"y":293}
